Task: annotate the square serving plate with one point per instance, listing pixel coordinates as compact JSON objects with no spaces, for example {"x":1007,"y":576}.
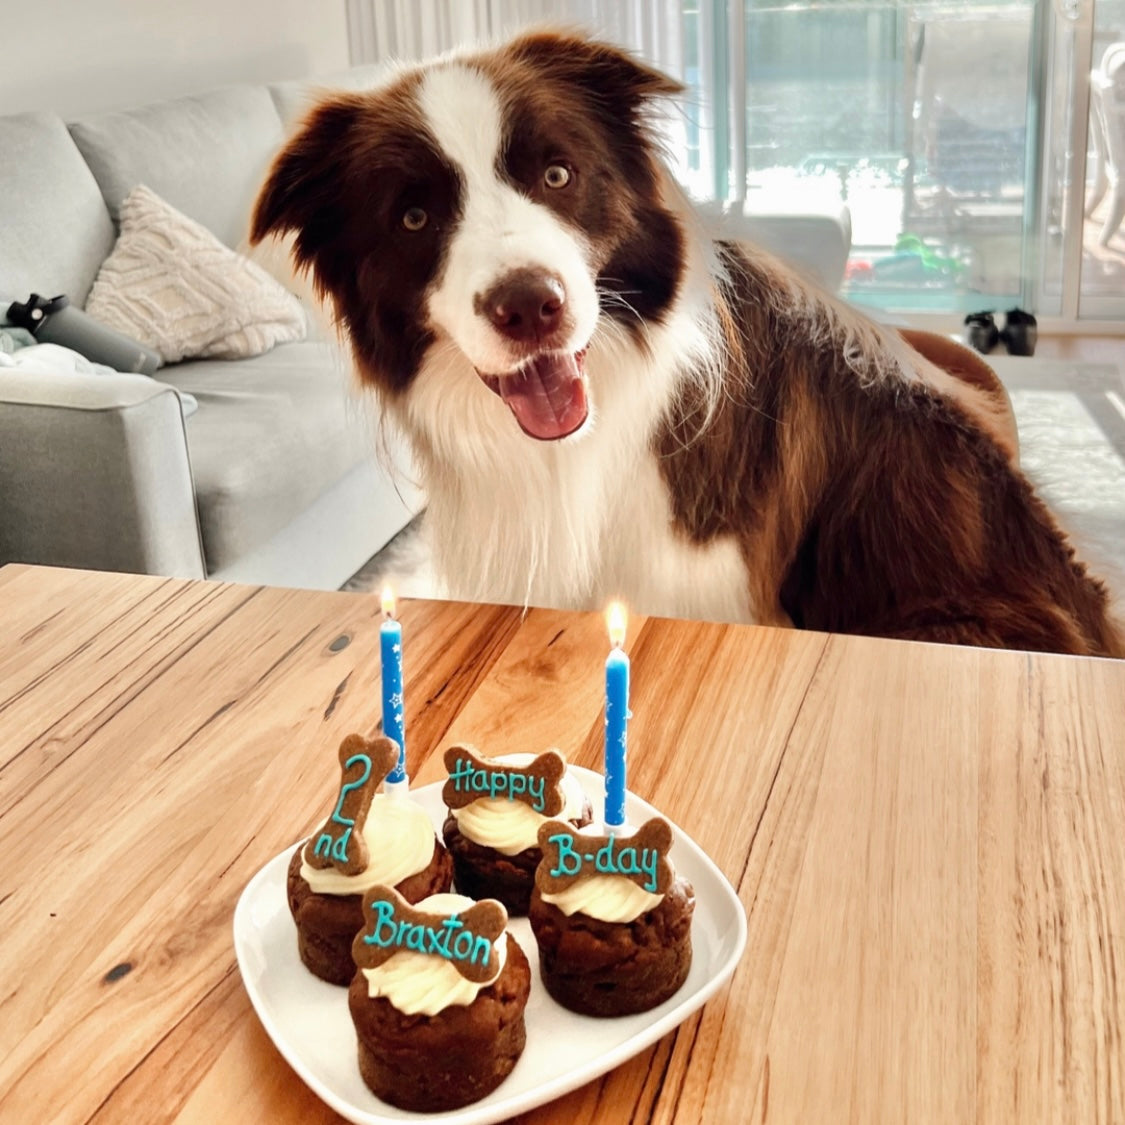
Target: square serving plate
{"x":309,"y":1023}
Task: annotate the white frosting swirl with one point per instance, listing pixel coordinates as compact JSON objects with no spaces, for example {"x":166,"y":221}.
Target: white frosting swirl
{"x":609,"y":898}
{"x":419,"y":983}
{"x":400,"y":843}
{"x":509,"y":826}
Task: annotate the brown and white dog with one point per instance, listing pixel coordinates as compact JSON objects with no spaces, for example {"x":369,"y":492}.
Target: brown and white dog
{"x":604,"y":402}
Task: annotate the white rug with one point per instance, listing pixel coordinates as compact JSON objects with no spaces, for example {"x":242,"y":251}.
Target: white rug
{"x":1071,"y":419}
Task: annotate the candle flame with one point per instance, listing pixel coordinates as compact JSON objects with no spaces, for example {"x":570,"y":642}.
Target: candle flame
{"x":616,"y":619}
{"x":388,"y":601}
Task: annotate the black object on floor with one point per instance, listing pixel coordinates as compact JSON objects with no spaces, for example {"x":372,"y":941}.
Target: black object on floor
{"x":1020,"y":332}
{"x":982,"y":331}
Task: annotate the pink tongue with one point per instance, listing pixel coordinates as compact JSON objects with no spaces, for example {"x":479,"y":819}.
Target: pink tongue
{"x":547,"y":397}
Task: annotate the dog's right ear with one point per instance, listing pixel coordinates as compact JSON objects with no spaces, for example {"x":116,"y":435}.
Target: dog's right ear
{"x":301,"y":192}
{"x":614,"y":75}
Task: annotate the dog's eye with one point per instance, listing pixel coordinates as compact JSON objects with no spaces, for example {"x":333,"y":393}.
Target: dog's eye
{"x":557,"y":176}
{"x":414,"y":218}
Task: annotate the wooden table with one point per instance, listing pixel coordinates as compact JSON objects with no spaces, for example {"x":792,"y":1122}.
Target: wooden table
{"x":929,"y":843}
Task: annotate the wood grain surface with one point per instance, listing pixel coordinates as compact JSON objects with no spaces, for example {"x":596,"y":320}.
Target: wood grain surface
{"x":929,"y":843}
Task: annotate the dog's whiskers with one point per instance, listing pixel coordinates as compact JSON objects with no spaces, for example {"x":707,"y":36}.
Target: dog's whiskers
{"x":610,"y":298}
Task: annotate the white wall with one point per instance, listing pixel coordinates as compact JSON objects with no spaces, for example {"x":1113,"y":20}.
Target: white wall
{"x":83,"y":56}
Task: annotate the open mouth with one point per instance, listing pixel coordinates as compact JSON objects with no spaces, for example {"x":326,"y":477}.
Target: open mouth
{"x":547,"y":394}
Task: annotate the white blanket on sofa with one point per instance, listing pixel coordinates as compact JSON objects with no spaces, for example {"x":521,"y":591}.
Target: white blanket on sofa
{"x":54,"y":359}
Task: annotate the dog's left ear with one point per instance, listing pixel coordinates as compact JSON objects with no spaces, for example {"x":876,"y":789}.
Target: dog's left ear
{"x":613,"y":76}
{"x":301,"y":192}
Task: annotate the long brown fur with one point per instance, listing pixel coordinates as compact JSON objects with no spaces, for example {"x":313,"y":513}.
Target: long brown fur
{"x":867,"y":503}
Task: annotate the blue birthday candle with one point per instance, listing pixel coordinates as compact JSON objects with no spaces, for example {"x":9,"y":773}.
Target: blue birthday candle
{"x":616,"y":719}
{"x":390,"y":647}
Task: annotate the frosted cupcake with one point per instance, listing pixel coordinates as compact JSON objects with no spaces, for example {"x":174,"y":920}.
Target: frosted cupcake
{"x":370,"y":838}
{"x":496,"y":808}
{"x":437,"y":1000}
{"x":611,"y":919}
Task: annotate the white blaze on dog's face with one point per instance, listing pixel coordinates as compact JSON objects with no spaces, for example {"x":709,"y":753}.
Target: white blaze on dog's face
{"x":517,"y":293}
{"x":500,"y":205}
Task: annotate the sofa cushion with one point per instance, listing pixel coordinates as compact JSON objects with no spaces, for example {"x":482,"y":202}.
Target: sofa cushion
{"x":206,"y":154}
{"x":295,"y":98}
{"x":270,"y":435}
{"x":54,"y":225}
{"x":173,"y":285}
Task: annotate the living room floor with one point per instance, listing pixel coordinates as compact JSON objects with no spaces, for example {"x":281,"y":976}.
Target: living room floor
{"x":1070,"y":411}
{"x":1084,"y":349}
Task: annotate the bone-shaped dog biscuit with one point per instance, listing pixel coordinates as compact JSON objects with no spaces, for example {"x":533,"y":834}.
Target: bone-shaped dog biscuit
{"x":570,"y":855}
{"x":339,"y":842}
{"x":471,"y":777}
{"x":464,"y":939}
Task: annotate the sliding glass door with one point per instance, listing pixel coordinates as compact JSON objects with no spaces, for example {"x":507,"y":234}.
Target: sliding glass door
{"x":1082,"y":225}
{"x":955,"y":130}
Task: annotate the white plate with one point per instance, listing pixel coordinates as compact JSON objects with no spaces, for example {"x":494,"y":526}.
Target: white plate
{"x":309,"y":1023}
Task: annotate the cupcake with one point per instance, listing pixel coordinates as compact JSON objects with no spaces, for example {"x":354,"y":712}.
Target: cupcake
{"x":611,"y":919}
{"x":370,"y":838}
{"x":496,"y":808}
{"x":437,"y":999}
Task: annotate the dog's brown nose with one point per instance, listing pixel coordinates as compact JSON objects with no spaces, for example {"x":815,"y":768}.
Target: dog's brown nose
{"x":526,"y":305}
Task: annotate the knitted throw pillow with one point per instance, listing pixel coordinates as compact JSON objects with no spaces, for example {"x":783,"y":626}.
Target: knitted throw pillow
{"x":171,"y":284}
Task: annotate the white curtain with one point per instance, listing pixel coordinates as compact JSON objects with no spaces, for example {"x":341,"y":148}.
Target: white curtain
{"x":413,"y":29}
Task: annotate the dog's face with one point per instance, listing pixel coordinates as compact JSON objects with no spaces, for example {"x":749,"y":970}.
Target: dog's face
{"x":501,"y":204}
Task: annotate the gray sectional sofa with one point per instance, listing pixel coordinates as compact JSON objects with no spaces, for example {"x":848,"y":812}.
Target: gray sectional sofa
{"x":277,"y":477}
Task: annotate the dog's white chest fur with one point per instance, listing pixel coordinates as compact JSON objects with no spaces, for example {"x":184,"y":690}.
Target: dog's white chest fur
{"x":573,"y":528}
{"x":569,"y":524}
